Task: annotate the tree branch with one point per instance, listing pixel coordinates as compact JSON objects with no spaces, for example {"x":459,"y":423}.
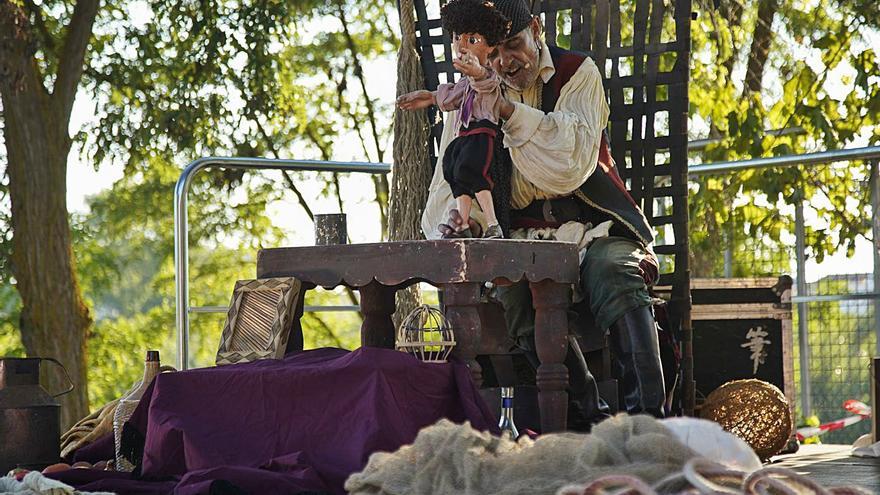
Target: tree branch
{"x":760,"y":49}
{"x":73,"y":53}
{"x":381,"y":182}
{"x":21,"y":80}
{"x":284,"y":173}
{"x":338,"y":189}
{"x":48,"y":42}
{"x":330,"y":334}
{"x":359,"y":72}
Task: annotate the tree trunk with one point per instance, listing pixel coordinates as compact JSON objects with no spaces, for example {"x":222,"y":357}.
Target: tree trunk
{"x":760,"y":50}
{"x":54,"y":320}
{"x":731,"y":12}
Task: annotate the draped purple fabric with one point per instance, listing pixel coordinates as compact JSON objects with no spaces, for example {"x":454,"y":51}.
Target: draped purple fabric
{"x":302,"y":423}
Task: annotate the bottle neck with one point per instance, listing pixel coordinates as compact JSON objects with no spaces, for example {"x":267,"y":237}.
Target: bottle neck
{"x":151,"y":369}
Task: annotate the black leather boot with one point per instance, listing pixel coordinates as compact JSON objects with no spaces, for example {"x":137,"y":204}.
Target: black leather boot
{"x":637,"y":351}
{"x":585,"y":407}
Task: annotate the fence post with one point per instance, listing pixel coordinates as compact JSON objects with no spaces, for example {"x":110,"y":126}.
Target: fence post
{"x":803,"y":322}
{"x":875,"y":212}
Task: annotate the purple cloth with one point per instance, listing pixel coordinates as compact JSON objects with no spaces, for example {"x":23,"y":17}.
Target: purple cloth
{"x":303,"y":423}
{"x":101,"y":449}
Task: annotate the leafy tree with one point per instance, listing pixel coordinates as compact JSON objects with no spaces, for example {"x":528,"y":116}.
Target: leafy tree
{"x":782,"y":64}
{"x":172,"y":81}
{"x":41,"y":63}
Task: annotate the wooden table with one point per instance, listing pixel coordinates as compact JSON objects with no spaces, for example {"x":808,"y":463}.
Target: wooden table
{"x":459,"y":267}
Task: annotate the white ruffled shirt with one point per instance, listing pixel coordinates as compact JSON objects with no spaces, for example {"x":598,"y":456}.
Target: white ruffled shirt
{"x":552,"y":154}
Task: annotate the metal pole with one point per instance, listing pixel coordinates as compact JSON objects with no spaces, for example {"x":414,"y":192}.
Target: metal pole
{"x":875,"y":212}
{"x":803,"y":323}
{"x":821,"y":158}
{"x":181,"y":227}
{"x":728,"y":243}
{"x":701,"y":144}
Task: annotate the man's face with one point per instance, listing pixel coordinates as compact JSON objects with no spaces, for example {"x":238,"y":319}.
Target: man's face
{"x":515,"y":59}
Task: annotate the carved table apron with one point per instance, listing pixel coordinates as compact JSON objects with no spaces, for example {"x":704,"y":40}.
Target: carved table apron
{"x":459,"y":267}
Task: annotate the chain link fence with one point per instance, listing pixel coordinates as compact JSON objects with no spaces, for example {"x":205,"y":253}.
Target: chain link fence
{"x":839,"y":310}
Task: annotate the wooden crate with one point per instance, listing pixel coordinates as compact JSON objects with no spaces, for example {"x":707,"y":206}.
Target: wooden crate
{"x":724,"y":311}
{"x":730,"y":314}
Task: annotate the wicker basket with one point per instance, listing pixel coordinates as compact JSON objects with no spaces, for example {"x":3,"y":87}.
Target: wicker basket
{"x":753,"y":410}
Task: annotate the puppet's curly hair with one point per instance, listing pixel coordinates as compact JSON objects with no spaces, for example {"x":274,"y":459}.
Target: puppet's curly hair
{"x":475,"y":16}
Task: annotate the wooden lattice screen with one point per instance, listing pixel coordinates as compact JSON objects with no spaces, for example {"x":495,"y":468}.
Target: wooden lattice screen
{"x":642,"y":48}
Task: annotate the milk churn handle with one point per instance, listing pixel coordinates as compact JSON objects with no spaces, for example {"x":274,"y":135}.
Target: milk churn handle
{"x":66,"y":375}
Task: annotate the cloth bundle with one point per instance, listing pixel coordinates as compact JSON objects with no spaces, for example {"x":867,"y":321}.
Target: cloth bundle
{"x":34,"y":483}
{"x":456,"y":459}
{"x":88,"y":429}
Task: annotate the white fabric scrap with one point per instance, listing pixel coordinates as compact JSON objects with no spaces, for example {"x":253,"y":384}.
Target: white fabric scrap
{"x":872,"y":450}
{"x":34,"y":483}
{"x":582,"y":234}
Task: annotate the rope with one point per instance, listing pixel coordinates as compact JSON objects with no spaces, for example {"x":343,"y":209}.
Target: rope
{"x":704,"y":477}
{"x":411,"y":172}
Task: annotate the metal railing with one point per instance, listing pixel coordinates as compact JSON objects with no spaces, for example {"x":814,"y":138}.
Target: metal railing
{"x":181,"y":227}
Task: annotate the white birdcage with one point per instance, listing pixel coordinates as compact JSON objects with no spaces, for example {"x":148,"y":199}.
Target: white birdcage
{"x":426,"y":334}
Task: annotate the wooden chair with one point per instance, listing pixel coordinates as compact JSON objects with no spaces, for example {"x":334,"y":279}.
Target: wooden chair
{"x":642,"y":48}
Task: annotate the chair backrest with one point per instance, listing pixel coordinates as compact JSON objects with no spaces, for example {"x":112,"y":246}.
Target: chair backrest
{"x":642,"y":48}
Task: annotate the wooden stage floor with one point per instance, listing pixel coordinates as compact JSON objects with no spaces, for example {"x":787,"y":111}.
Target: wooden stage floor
{"x":832,"y":465}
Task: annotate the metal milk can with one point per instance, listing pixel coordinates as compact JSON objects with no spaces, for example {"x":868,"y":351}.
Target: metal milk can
{"x":30,"y":418}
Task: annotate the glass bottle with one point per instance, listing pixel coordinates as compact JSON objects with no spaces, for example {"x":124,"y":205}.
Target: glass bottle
{"x":508,"y":428}
{"x":127,"y":404}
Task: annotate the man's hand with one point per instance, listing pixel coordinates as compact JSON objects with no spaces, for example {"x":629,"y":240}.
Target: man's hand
{"x":456,"y":224}
{"x":505,"y":108}
{"x":470,"y":67}
{"x":416,"y":100}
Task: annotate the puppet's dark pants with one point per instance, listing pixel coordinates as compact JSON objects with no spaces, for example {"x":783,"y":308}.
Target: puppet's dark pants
{"x":468,"y":159}
{"x":612,"y":277}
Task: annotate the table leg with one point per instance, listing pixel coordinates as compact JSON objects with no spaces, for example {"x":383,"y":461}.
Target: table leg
{"x":461,"y":302}
{"x":377,"y":306}
{"x":551,"y":301}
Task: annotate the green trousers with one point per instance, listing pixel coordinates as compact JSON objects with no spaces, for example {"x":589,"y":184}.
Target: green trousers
{"x":610,"y":277}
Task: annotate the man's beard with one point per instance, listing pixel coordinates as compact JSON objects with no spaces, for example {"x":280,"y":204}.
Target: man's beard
{"x":522,"y":78}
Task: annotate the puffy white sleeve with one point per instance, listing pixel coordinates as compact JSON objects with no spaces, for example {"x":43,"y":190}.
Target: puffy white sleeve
{"x":558,"y":151}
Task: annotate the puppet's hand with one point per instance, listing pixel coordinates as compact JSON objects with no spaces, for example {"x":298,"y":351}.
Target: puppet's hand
{"x":416,"y":100}
{"x":470,"y":67}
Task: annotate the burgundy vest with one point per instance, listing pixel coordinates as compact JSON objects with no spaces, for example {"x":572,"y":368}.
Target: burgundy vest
{"x":603,"y":192}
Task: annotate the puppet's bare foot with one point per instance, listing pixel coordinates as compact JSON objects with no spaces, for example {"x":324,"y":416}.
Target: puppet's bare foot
{"x":459,"y":234}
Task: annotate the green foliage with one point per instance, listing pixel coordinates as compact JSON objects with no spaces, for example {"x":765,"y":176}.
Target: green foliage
{"x":126,"y":268}
{"x":173,"y":81}
{"x":812,"y":421}
{"x":818,"y":77}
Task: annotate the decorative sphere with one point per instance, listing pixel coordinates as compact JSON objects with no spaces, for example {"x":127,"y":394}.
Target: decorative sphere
{"x":753,"y":410}
{"x":425,"y":333}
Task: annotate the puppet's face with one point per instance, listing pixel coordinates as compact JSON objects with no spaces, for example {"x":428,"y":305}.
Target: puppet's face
{"x":471,"y":44}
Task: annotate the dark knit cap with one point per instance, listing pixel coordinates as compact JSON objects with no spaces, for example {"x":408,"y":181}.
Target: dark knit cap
{"x":517,"y":11}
